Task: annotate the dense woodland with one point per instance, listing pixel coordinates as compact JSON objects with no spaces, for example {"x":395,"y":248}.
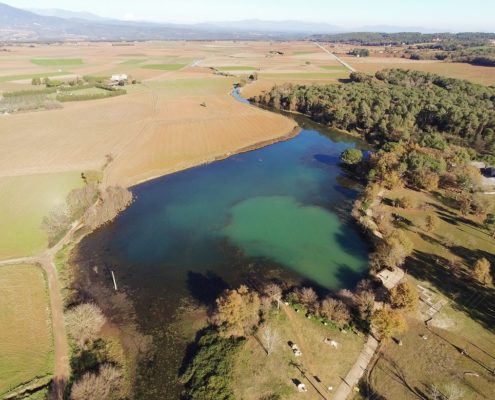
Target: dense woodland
{"x":381,"y":39}
{"x":397,"y":105}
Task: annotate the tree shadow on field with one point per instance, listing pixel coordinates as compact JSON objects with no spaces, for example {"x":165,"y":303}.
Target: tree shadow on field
{"x":466,"y":294}
{"x":205,"y":288}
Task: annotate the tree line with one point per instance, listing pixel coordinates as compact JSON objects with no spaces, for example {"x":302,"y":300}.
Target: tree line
{"x":397,"y":105}
{"x":399,"y":38}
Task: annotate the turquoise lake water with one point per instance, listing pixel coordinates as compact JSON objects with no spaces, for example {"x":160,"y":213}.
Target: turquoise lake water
{"x":282,"y":212}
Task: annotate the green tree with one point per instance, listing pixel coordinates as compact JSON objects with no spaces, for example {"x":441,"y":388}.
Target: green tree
{"x":351,"y":156}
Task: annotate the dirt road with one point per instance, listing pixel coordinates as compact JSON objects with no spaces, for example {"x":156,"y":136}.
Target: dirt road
{"x":61,"y":370}
{"x":336,"y":58}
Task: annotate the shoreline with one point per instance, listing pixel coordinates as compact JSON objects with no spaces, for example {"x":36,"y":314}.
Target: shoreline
{"x":255,"y":146}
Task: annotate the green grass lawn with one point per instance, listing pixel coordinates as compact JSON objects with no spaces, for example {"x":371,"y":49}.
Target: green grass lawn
{"x":24,"y":201}
{"x":164,"y":67}
{"x":236,"y":68}
{"x":257,"y":375}
{"x":9,"y":78}
{"x":56,"y":62}
{"x":26,"y":343}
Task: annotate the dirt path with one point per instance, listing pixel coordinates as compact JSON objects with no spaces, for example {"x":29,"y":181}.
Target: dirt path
{"x":336,"y":58}
{"x":354,"y":375}
{"x":61,"y":369}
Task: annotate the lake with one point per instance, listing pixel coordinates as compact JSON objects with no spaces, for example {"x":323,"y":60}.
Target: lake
{"x":280,"y":212}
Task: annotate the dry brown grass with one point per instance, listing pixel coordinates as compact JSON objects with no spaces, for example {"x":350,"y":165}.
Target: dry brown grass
{"x":483,"y":75}
{"x":257,"y":375}
{"x":159,"y":127}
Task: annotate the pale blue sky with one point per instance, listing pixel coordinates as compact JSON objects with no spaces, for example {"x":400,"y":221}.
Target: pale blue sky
{"x":454,"y":15}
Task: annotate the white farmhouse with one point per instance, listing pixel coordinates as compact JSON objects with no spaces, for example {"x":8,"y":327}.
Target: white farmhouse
{"x":118,"y":78}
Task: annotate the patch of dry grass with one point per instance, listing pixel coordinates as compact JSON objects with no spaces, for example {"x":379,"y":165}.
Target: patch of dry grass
{"x":26,"y":344}
{"x":257,"y":375}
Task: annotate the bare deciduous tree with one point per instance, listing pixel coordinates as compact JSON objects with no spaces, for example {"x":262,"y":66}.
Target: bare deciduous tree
{"x":56,"y":222}
{"x":453,"y":392}
{"x":308,"y":297}
{"x":271,"y":339}
{"x":84,"y":323}
{"x":113,"y":200}
{"x":102,"y":385}
{"x":274,"y":291}
{"x":336,"y":311}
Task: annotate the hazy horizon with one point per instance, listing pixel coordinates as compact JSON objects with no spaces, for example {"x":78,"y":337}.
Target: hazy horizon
{"x":442,"y":15}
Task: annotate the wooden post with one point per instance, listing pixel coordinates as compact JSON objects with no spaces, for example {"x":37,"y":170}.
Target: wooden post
{"x":114,"y":282}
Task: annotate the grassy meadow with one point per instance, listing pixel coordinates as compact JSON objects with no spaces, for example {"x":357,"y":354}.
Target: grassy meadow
{"x":441,"y":263}
{"x":164,"y":67}
{"x":258,"y":375}
{"x":24,"y":201}
{"x":26,"y":345}
{"x":57,"y":62}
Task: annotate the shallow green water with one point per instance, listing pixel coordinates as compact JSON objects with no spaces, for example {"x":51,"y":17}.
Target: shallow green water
{"x":281,"y":211}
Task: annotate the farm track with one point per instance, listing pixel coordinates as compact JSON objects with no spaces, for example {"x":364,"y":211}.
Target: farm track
{"x":336,"y":58}
{"x":61,"y":371}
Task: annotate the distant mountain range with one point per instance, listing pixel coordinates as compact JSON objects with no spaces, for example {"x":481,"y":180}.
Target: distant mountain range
{"x":62,"y":25}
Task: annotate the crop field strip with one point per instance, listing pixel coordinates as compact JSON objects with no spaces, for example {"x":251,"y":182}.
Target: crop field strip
{"x":51,"y":62}
{"x":26,"y":349}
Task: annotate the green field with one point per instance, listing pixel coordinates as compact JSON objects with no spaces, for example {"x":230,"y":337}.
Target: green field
{"x":24,"y":201}
{"x":9,"y":78}
{"x":236,"y":68}
{"x":26,"y":344}
{"x":134,"y":61}
{"x":87,"y":91}
{"x":55,"y":62}
{"x":164,"y":67}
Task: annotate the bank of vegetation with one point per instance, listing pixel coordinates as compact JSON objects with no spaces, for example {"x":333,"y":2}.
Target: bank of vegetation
{"x":470,"y":47}
{"x":423,"y":203}
{"x":248,"y":323}
{"x":400,"y":38}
